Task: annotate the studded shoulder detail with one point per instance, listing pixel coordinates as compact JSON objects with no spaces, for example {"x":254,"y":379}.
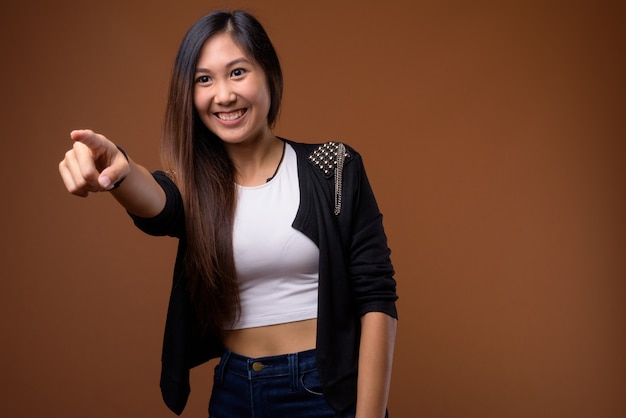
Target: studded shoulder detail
{"x":325,"y":157}
{"x":330,"y":158}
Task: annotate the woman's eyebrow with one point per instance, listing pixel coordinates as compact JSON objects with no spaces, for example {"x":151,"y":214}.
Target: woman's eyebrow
{"x":229,"y":64}
{"x":238,"y":61}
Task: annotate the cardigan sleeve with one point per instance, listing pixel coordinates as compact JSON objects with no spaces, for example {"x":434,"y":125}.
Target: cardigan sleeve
{"x":370,"y":266}
{"x":170,"y":221}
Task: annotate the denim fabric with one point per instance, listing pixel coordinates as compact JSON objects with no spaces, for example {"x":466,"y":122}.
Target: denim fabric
{"x":285,"y":386}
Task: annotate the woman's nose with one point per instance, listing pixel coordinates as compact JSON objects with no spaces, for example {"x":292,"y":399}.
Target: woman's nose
{"x":224,"y":93}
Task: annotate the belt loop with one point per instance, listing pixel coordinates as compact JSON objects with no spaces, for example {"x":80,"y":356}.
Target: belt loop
{"x":225,"y":358}
{"x":293,"y":370}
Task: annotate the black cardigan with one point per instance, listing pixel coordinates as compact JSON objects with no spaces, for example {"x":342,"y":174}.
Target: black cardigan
{"x":355,"y":277}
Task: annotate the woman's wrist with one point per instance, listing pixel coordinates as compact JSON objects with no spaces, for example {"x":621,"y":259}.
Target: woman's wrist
{"x":119,"y":182}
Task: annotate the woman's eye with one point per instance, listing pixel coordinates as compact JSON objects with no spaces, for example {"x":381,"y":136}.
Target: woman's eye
{"x":238,"y":72}
{"x":203,"y":79}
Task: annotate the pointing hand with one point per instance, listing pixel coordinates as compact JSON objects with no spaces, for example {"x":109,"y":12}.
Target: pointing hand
{"x":94,"y":164}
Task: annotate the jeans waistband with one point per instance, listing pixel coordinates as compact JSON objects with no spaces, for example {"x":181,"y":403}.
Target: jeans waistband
{"x":264,"y":367}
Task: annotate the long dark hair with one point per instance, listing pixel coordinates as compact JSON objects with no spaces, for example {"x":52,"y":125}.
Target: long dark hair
{"x":202,"y":169}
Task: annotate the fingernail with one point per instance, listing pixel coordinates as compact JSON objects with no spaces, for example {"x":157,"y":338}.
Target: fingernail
{"x":105,"y":182}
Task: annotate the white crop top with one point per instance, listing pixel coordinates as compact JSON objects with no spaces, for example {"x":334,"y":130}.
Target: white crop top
{"x":277,"y":266}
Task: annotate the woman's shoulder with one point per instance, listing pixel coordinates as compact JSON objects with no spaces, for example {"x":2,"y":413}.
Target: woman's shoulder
{"x":323,"y":153}
{"x":303,"y":147}
{"x":326,"y":158}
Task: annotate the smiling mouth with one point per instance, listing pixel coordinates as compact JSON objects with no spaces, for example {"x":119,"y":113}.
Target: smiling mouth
{"x":230,"y":116}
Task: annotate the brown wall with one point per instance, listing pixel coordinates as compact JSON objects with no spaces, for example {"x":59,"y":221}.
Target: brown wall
{"x":494,"y":136}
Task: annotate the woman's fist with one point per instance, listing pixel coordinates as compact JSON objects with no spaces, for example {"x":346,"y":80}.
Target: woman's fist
{"x":94,"y":164}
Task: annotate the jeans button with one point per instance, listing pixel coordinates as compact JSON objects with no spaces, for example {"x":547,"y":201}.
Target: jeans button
{"x":257,"y":366}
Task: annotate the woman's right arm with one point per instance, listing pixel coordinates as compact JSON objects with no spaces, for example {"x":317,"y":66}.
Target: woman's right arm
{"x":95,"y":164}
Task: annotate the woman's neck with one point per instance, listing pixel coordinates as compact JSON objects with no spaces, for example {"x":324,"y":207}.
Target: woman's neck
{"x":256,"y":161}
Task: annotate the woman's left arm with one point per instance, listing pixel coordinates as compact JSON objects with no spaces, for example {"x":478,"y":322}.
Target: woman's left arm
{"x":374,"y":290}
{"x":378,"y":334}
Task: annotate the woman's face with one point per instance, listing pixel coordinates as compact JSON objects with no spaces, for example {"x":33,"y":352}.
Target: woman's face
{"x":231,"y":93}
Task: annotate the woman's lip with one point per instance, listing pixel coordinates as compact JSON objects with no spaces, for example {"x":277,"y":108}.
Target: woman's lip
{"x":233,"y":116}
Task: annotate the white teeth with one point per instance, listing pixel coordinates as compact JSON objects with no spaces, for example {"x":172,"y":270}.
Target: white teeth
{"x":230,"y":116}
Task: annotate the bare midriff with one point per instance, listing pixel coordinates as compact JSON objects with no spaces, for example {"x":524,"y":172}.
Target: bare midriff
{"x":272,"y":340}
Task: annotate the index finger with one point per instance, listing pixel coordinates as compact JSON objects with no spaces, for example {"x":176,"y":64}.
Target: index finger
{"x":92,"y":140}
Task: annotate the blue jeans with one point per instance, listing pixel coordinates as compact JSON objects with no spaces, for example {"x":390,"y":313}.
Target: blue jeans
{"x":285,"y":386}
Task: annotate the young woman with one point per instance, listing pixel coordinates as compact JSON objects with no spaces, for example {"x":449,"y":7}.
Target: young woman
{"x":282,"y":268}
